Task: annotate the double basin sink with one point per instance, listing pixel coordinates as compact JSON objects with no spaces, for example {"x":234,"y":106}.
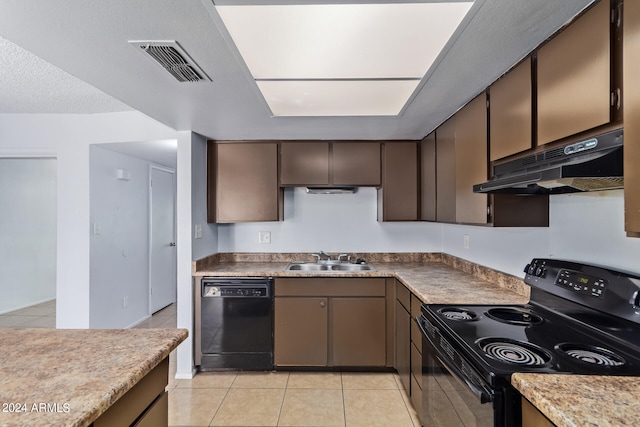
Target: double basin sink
{"x":328,"y":267}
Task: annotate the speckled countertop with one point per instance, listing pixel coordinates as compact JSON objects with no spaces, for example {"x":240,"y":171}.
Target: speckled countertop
{"x":79,"y":373}
{"x":583,"y":400}
{"x":435,"y":278}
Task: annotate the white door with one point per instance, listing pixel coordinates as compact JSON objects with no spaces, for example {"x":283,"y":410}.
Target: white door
{"x":162,"y":265}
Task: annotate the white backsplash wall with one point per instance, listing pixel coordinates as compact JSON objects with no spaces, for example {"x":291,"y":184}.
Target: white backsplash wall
{"x":333,"y":223}
{"x":586,"y":227}
{"x":589,"y":227}
{"x":504,"y":249}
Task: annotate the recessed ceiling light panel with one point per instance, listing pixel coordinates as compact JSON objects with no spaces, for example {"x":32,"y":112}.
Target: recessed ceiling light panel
{"x":336,"y":97}
{"x":342,"y":41}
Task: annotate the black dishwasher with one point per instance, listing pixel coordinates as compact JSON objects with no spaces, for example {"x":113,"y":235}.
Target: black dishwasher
{"x":236,"y":323}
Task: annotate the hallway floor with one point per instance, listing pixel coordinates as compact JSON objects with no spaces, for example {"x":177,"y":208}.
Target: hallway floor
{"x":247,"y":399}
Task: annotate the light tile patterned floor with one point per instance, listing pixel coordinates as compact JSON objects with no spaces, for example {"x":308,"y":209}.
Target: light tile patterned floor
{"x":290,"y":399}
{"x":301,"y":399}
{"x":37,"y":316}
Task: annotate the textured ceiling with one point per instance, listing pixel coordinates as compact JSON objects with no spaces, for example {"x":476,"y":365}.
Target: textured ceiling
{"x":89,"y":40}
{"x":29,"y":84}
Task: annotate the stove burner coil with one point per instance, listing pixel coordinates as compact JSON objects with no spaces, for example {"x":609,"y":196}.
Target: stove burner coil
{"x":514,"y":316}
{"x":591,"y":355}
{"x":511,"y":351}
{"x":455,"y":313}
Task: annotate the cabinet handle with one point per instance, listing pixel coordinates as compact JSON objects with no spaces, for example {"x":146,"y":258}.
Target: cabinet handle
{"x":322,"y":303}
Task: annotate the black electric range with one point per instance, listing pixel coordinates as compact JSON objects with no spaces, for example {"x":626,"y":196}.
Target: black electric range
{"x":581,"y":319}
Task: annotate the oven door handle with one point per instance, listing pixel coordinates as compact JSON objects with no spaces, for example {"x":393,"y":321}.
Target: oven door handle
{"x":481,"y":392}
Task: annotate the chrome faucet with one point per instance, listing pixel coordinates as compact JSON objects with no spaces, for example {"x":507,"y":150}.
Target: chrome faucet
{"x":322,"y":254}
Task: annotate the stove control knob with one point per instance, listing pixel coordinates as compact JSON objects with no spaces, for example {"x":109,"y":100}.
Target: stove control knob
{"x":526,"y":268}
{"x":540,"y":272}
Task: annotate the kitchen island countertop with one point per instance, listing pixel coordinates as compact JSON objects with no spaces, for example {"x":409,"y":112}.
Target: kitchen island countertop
{"x":69,"y":377}
{"x":582,"y":400}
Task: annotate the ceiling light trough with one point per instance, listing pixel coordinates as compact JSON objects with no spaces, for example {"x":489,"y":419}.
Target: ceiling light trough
{"x":341,"y":59}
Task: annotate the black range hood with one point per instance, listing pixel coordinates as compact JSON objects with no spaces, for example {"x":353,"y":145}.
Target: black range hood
{"x":589,"y":165}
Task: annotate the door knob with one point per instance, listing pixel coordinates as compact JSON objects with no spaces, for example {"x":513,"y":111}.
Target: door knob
{"x":322,"y":303}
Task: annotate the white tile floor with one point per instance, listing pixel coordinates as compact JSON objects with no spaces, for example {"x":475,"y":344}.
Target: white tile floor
{"x":37,"y":316}
{"x":313,"y":399}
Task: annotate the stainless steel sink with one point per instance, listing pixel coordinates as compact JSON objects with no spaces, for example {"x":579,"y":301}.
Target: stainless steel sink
{"x":322,"y":267}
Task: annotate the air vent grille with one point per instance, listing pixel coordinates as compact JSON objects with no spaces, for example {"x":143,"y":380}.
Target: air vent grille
{"x":173,"y":59}
{"x":554,"y":153}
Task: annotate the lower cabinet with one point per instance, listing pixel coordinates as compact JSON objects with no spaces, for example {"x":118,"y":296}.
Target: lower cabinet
{"x":532,"y":417}
{"x":409,"y":344}
{"x":330,"y":322}
{"x":146,"y":404}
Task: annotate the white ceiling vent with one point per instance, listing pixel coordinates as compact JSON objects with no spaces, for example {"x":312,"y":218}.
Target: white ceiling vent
{"x":173,"y":59}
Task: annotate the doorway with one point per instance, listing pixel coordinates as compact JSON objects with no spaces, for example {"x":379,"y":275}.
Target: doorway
{"x":162,"y":238}
{"x":28,"y":233}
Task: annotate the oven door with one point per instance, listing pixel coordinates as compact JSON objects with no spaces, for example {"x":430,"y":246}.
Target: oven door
{"x":451,"y":397}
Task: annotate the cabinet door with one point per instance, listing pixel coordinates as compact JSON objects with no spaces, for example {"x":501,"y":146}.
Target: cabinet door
{"x":631,"y":70}
{"x":246,"y":182}
{"x":446,"y":171}
{"x":428,"y":177}
{"x":532,"y":417}
{"x":471,"y":164}
{"x":511,"y":112}
{"x":358,"y":331}
{"x":300,"y":332}
{"x":399,"y":181}
{"x":403,"y":345}
{"x":356,"y":163}
{"x":574,"y":77}
{"x":304,"y":163}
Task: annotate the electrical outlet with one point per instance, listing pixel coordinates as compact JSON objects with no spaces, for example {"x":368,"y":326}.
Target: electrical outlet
{"x":97,"y":228}
{"x":465,"y":241}
{"x":264,"y":237}
{"x":198,"y":231}
{"x":125,"y":302}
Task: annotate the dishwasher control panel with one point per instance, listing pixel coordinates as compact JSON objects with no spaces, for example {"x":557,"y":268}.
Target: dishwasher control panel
{"x":226,"y":291}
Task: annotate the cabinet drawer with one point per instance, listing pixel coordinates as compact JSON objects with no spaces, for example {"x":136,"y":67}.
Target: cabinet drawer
{"x":403,"y":295}
{"x":330,"y":287}
{"x":416,"y":364}
{"x":416,"y":306}
{"x":416,"y":395}
{"x":416,"y":335}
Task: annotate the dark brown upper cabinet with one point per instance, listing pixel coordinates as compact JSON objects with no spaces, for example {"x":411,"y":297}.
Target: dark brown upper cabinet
{"x":631,"y":70}
{"x":511,"y":113}
{"x":356,"y":163}
{"x":446,"y":171}
{"x":574,"y":77}
{"x":339,"y":163}
{"x":471,"y":161}
{"x":242,"y":182}
{"x":461,"y":161}
{"x":304,"y":163}
{"x":398,"y":196}
{"x":428,"y":177}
